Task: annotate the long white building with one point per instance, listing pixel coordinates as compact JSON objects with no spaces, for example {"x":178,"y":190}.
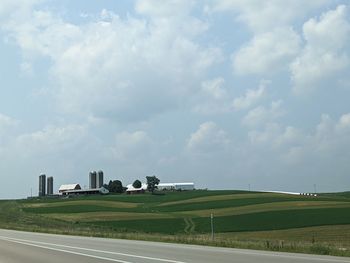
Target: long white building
{"x":176,"y":186}
{"x":162,"y":186}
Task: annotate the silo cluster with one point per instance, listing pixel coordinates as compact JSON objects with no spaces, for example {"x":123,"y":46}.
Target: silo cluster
{"x":42,"y":185}
{"x":95,"y":179}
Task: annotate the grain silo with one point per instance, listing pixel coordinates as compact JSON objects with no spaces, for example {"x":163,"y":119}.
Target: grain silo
{"x":42,"y":185}
{"x":99,"y":179}
{"x":92,"y":179}
{"x":50,"y":185}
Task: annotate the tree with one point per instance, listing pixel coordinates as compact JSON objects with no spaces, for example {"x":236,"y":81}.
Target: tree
{"x":115,"y":186}
{"x":137,"y":184}
{"x":109,"y":186}
{"x":152,"y":182}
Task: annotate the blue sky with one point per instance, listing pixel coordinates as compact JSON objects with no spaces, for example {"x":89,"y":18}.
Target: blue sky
{"x":224,"y":93}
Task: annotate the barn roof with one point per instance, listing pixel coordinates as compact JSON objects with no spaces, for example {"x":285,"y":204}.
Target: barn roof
{"x":67,"y":187}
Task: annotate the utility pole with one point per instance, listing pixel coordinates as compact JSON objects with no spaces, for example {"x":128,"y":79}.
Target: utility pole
{"x":315,"y":189}
{"x":249,"y":187}
{"x":212,"y":226}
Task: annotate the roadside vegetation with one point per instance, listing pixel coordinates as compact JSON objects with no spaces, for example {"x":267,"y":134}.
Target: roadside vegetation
{"x":268,"y":221}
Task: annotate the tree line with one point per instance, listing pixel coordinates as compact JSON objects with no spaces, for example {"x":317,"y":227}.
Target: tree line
{"x":116,"y":186}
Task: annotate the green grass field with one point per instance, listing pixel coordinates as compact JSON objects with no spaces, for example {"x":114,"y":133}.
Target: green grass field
{"x":241,"y":219}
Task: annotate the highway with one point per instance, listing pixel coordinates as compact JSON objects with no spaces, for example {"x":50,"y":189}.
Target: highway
{"x":19,"y":247}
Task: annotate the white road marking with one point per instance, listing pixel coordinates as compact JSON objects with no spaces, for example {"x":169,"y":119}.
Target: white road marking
{"x":66,"y":251}
{"x":311,"y":258}
{"x":29,"y":242}
{"x":233,"y":251}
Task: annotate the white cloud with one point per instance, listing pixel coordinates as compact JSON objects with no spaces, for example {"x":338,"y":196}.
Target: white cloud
{"x":167,"y":58}
{"x":329,"y":140}
{"x":325,"y":58}
{"x":216,"y":99}
{"x":250,"y":98}
{"x":213,"y":98}
{"x":207,"y":139}
{"x":66,"y":152}
{"x":94,"y":64}
{"x":263,"y":15}
{"x":214,"y":88}
{"x":131,"y":146}
{"x":344,"y":123}
{"x":284,"y":156}
{"x":267,"y":53}
{"x":332,"y":134}
{"x":261,"y":137}
{"x":16,"y":8}
{"x":7,"y":121}
{"x":290,"y":136}
{"x":161,"y":8}
{"x":329,"y":143}
{"x":26,"y":68}
{"x":51,"y":141}
{"x":7,"y":125}
{"x":40,"y":33}
{"x":275,"y":136}
{"x":261,"y":115}
{"x":330,"y":31}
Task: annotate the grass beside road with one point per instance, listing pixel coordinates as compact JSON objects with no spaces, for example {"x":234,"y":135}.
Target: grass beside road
{"x":241,"y":219}
{"x":337,"y":234}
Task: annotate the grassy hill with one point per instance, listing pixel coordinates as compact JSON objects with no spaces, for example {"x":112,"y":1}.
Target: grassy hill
{"x":241,"y":219}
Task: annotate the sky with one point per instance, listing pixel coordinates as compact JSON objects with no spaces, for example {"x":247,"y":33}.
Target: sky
{"x":227,"y":94}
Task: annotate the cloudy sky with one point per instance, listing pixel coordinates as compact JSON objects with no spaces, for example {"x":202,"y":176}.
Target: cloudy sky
{"x":224,"y":93}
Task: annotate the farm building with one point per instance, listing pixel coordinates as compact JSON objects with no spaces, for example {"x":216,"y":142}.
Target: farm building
{"x":161,"y":186}
{"x":94,"y":191}
{"x":132,"y":190}
{"x":176,"y":186}
{"x":68,"y":187}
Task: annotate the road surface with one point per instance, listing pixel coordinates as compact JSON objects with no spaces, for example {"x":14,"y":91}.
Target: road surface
{"x":19,"y":247}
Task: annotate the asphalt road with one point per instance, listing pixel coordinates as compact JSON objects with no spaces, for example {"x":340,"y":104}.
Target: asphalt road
{"x":16,"y":246}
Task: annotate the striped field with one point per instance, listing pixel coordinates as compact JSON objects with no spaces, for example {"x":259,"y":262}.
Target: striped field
{"x":238,"y":215}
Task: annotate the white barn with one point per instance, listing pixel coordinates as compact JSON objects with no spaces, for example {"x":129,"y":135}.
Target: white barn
{"x":68,"y":187}
{"x":95,"y":191}
{"x":161,"y":187}
{"x":131,"y":189}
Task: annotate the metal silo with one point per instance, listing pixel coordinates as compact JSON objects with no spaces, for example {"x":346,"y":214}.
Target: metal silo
{"x":42,"y":185}
{"x":49,"y":185}
{"x":92,"y":179}
{"x":99,"y":182}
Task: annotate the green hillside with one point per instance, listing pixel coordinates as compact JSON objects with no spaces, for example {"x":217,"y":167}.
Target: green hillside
{"x":244,"y":219}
